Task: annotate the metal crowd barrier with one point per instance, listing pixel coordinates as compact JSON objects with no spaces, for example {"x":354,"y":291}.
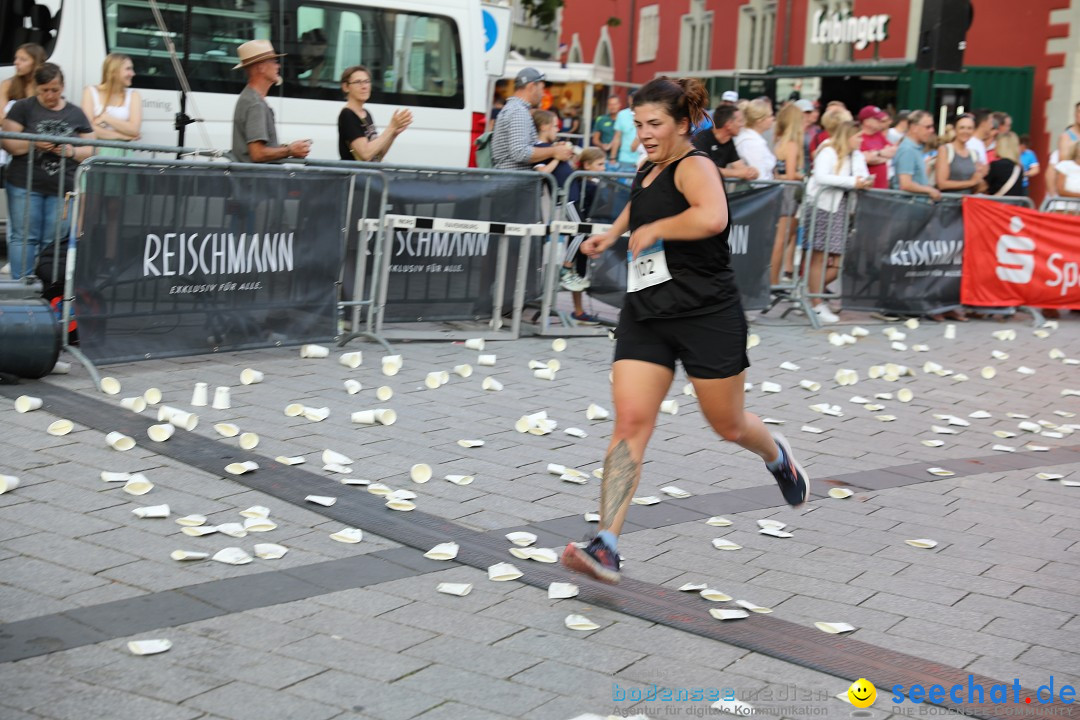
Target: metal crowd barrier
{"x":291,"y":308}
{"x":571,"y":222}
{"x":1061,"y":205}
{"x":457,"y":201}
{"x":27,"y":273}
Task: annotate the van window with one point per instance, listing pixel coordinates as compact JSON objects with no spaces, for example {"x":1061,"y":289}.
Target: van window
{"x":414,"y":59}
{"x":205,"y":34}
{"x":28,"y":22}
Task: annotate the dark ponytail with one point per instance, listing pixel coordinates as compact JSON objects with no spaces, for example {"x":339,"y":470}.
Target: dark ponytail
{"x":683,"y":98}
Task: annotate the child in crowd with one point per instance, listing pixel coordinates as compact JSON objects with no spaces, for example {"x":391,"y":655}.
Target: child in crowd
{"x":571,"y":277}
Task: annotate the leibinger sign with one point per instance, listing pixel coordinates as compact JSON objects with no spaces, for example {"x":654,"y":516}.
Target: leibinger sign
{"x":840,"y":29}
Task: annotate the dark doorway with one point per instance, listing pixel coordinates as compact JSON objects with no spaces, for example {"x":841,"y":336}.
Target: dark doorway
{"x":857,"y":92}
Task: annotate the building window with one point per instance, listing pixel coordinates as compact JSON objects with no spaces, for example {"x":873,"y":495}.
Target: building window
{"x":603,"y":55}
{"x":575,"y":55}
{"x":648,"y":34}
{"x":757,"y":33}
{"x":695,"y":38}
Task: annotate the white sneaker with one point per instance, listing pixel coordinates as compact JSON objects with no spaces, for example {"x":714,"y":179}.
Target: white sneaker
{"x":826,"y":315}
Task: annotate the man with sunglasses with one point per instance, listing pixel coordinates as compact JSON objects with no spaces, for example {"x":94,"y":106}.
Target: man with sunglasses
{"x":910,"y":169}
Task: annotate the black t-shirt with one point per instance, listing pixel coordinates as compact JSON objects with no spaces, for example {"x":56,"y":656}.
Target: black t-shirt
{"x":351,"y":126}
{"x":702,"y":280}
{"x":723,"y":154}
{"x":36,"y":118}
{"x":562,"y":169}
{"x":998,"y":175}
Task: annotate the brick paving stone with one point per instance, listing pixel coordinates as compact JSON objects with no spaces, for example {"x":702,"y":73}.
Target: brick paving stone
{"x":340,"y":654}
{"x":581,"y":652}
{"x":455,"y":710}
{"x":473,"y":689}
{"x":359,"y":694}
{"x":249,"y":702}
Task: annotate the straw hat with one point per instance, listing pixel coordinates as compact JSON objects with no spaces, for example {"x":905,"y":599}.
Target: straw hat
{"x":255,"y":51}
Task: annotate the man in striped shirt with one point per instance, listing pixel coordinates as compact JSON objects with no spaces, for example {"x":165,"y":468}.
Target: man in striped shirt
{"x":514,"y":139}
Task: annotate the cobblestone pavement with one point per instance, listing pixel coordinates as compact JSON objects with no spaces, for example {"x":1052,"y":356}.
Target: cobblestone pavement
{"x":367,"y":635}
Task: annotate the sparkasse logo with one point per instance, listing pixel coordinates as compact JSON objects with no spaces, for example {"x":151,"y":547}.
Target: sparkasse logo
{"x":1015,"y":255}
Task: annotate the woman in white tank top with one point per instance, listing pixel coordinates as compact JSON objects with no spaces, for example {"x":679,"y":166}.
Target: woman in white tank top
{"x":114,"y":109}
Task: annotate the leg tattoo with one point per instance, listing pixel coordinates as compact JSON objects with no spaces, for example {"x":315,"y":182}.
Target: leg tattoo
{"x":620,"y":476}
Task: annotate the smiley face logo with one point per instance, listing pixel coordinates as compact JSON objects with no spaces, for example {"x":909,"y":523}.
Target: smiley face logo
{"x":862,"y":693}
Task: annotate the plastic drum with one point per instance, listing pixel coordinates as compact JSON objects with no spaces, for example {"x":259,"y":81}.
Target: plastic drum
{"x":30,"y":338}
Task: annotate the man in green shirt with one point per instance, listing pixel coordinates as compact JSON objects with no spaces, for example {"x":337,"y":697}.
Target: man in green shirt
{"x":604,"y":134}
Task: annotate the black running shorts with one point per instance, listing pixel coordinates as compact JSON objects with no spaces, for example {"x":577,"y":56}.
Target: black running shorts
{"x":709,"y":346}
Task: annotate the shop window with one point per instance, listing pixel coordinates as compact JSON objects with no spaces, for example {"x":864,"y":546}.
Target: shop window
{"x":757,"y":34}
{"x":695,"y":38}
{"x":26,"y":21}
{"x":648,"y":34}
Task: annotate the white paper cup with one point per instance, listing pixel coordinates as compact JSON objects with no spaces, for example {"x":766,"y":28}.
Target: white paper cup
{"x":185,"y":420}
{"x":487,"y":360}
{"x":248,"y":376}
{"x":444,"y":377}
{"x":7,"y":483}
{"x":61,"y":368}
{"x":475,"y":343}
{"x":316,"y":414}
{"x":314,"y":351}
{"x":227,"y":430}
{"x":433,"y":380}
{"x":671,"y":407}
{"x":905,"y":395}
{"x":491,"y":384}
{"x":950,"y":332}
{"x":161,"y":433}
{"x":26,"y":403}
{"x":364,"y":417}
{"x":199,"y":397}
{"x":351,"y":359}
{"x":294,"y":410}
{"x":119,"y":441}
{"x":152,"y":396}
{"x":135,"y":404}
{"x":544,"y":374}
{"x":248,"y":441}
{"x":385,"y":416}
{"x":165,"y":412}
{"x":537,"y":364}
{"x":595,"y":412}
{"x":420,"y":472}
{"x":558,"y":344}
{"x":464,"y":370}
{"x":353,"y":386}
{"x":810,"y":385}
{"x":384,"y":393}
{"x":988,"y":372}
{"x":60,"y":427}
{"x":391,"y":365}
{"x":222,"y":400}
{"x":110,"y":386}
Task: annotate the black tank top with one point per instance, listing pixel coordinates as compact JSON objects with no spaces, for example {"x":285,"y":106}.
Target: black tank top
{"x":702,"y":280}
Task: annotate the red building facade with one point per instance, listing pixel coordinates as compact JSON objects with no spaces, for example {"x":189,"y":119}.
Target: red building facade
{"x":642,"y":38}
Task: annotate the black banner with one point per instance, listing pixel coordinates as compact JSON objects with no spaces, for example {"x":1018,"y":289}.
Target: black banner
{"x":754,"y":214}
{"x":905,"y":255}
{"x":440,"y":275}
{"x":183,"y":261}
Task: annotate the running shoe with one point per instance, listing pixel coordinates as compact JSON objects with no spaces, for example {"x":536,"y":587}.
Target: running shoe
{"x":570,"y":280}
{"x":584,"y":318}
{"x":790,"y":476}
{"x":596,"y":560}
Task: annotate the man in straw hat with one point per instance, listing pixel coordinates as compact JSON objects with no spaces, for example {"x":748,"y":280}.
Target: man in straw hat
{"x":254,"y":135}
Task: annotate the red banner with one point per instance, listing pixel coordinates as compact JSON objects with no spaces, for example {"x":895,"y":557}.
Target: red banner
{"x":1015,"y":256}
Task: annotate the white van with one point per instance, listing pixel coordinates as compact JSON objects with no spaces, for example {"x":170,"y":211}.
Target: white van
{"x":426,"y":55}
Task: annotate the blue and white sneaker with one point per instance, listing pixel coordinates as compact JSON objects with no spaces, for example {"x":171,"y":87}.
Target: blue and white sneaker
{"x":790,"y":476}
